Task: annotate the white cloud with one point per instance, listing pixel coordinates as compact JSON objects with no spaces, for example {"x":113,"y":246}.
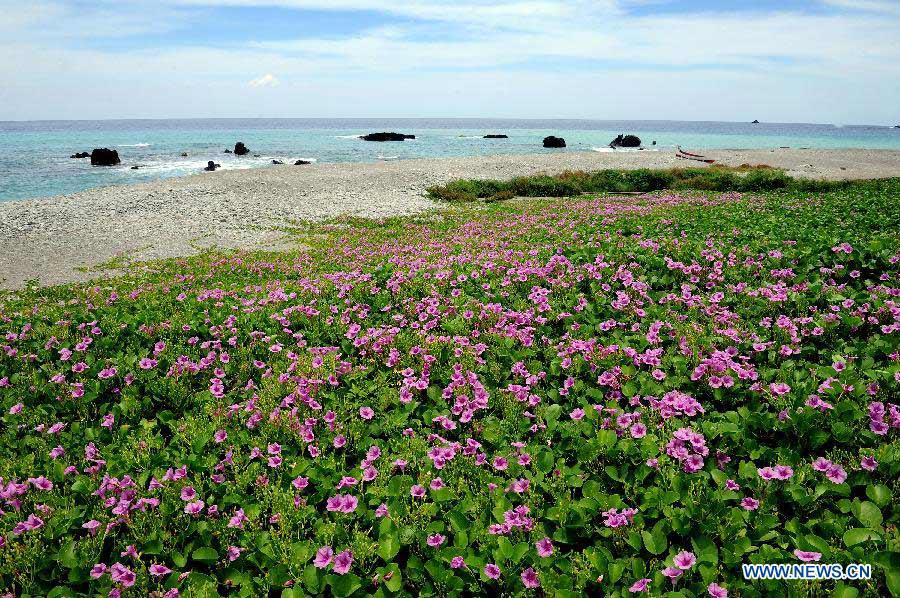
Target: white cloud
{"x":267,"y":80}
{"x":518,"y":58}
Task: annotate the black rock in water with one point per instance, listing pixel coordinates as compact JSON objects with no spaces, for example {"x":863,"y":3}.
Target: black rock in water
{"x":277,"y":162}
{"x":240,"y":149}
{"x":184,"y":154}
{"x":554,"y":141}
{"x":302,"y":162}
{"x":105,"y":157}
{"x":227,"y":151}
{"x":386,"y":137}
{"x":211,"y":166}
{"x":135,"y":167}
{"x":755,"y":122}
{"x":81,"y":155}
{"x":625,"y":141}
{"x":496,"y":136}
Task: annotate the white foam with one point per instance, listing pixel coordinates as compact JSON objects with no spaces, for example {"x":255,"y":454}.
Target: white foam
{"x":133,"y":145}
{"x":388,"y":157}
{"x":347,"y":136}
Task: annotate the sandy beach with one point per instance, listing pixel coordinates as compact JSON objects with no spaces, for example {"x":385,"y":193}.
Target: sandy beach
{"x":53,"y":240}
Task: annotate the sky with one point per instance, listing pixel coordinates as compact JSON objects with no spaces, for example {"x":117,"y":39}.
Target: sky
{"x":819,"y":61}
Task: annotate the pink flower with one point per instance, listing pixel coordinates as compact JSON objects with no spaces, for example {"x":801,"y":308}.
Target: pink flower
{"x":323,"y":557}
{"x":577,"y":414}
{"x":220,"y":436}
{"x":457,"y":562}
{"x":530,"y":578}
{"x":673,"y":573}
{"x":342,"y":562}
{"x":366,"y":413}
{"x":544,"y":547}
{"x":638,"y":430}
{"x":750,"y":504}
{"x":807,"y":557}
{"x":836,"y":474}
{"x":98,"y":570}
{"x":159,"y":570}
{"x":436,"y":540}
{"x":91,"y":526}
{"x":188,"y":493}
{"x":491,"y":570}
{"x":233,"y":553}
{"x":684,"y":560}
{"x":639,"y":586}
{"x":417,"y":491}
{"x":868,"y":463}
{"x":717,"y":591}
{"x":194,"y":508}
{"x":779,"y":388}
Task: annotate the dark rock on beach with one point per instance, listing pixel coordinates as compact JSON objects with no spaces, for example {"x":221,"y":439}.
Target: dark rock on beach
{"x":496,"y":136}
{"x":302,"y":162}
{"x":135,"y":167}
{"x":211,"y":166}
{"x":625,"y":141}
{"x":240,"y":149}
{"x":105,"y":157}
{"x":81,"y":155}
{"x":554,"y":141}
{"x":386,"y":137}
{"x":277,"y":162}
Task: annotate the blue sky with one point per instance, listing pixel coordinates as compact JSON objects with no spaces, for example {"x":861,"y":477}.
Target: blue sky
{"x":788,"y":60}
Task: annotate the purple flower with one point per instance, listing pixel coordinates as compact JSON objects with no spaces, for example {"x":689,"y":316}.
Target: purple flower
{"x":868,"y":463}
{"x":530,"y":578}
{"x":544,"y":547}
{"x":417,"y":491}
{"x":323,"y":557}
{"x":750,"y":504}
{"x":717,"y":591}
{"x":159,"y":570}
{"x":342,"y":562}
{"x":807,"y":557}
{"x":684,"y":560}
{"x":639,"y":586}
{"x":436,"y":540}
{"x":491,"y":570}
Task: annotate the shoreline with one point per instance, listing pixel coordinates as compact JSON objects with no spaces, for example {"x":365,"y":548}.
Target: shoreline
{"x":50,"y":239}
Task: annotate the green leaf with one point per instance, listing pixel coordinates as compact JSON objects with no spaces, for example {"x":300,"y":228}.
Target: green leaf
{"x":205,"y":554}
{"x":858,"y":535}
{"x":869,"y":515}
{"x":343,"y":585}
{"x":388,"y":547}
{"x":654,"y":541}
{"x":880,"y":495}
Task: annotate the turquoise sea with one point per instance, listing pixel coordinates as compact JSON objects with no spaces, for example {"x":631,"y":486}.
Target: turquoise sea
{"x":35,"y":162}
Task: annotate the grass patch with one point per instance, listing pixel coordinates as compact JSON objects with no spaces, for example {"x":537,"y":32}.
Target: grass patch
{"x":743,"y":178}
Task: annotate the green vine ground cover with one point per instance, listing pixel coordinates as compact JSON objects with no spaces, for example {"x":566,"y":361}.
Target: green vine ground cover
{"x":584,"y":396}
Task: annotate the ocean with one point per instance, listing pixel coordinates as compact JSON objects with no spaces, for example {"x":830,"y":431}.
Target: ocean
{"x":35,"y":162}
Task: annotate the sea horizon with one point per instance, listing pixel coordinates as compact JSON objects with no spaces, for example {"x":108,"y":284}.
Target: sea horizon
{"x":37,"y":162}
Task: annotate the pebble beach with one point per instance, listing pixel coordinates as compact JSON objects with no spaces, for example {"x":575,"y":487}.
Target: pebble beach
{"x":64,"y":238}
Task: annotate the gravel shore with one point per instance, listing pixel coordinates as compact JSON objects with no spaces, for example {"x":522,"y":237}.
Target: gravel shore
{"x":52,"y":239}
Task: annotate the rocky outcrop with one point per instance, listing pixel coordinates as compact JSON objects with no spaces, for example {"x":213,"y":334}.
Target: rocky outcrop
{"x":228,"y":151}
{"x":302,"y":162}
{"x":211,"y":166}
{"x":755,"y":122}
{"x":240,"y":149}
{"x":277,"y":162}
{"x":386,"y":137}
{"x":554,"y":141}
{"x":496,"y":136}
{"x":81,"y":155}
{"x":105,"y":157}
{"x":184,"y":154}
{"x":625,"y":141}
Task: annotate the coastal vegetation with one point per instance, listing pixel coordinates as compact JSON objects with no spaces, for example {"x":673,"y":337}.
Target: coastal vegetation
{"x":744,"y":178}
{"x":584,"y":395}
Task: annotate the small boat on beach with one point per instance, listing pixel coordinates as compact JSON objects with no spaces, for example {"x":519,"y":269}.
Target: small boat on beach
{"x":680,"y":153}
